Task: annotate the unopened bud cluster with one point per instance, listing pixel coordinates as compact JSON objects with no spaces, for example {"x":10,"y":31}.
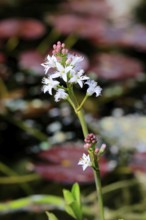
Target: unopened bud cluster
{"x":89,"y":141}
{"x":59,"y":49}
{"x":90,"y":146}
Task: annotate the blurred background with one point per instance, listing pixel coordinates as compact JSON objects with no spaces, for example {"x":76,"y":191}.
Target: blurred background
{"x":40,"y":140}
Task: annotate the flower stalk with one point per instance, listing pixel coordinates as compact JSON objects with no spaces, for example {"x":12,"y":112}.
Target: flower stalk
{"x":95,"y":166}
{"x":65,"y":66}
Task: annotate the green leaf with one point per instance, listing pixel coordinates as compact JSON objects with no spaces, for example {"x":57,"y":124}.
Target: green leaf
{"x":73,"y":202}
{"x":70,"y":211}
{"x":51,"y":216}
{"x":76,"y":193}
{"x":68,"y":196}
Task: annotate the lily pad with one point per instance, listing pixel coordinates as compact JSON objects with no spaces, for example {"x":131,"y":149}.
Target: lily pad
{"x":30,"y":60}
{"x":23,"y":28}
{"x":61,"y":165}
{"x":138,"y":162}
{"x":114,"y":66}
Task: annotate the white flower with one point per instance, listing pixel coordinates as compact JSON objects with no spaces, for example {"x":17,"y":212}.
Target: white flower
{"x":78,"y":77}
{"x":62,"y":71}
{"x":60,"y":94}
{"x":85,"y":161}
{"x":93,"y":88}
{"x":75,"y":59}
{"x":50,"y":63}
{"x":49,"y":84}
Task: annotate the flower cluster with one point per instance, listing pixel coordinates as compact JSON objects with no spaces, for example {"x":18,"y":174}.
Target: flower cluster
{"x":62,"y":70}
{"x":90,"y":146}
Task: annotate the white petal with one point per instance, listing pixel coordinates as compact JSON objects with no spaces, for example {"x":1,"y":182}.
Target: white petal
{"x":59,"y":67}
{"x":98,"y":90}
{"x":80,"y":83}
{"x":64,"y":77}
{"x":85,"y":161}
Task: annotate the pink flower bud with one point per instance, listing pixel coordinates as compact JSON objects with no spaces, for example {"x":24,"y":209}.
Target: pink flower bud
{"x":87,"y":146}
{"x":66,"y":51}
{"x":63,"y":51}
{"x":58,"y":43}
{"x":96,"y":151}
{"x":54,"y":46}
{"x":91,"y":138}
{"x":103,"y":147}
{"x":57,"y":50}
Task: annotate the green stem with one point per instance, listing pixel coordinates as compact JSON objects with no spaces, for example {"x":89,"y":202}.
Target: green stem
{"x":96,"y":170}
{"x":83,"y":122}
{"x":82,"y":103}
{"x":3,"y":89}
{"x":30,"y":130}
{"x":28,"y":203}
{"x":99,"y":190}
{"x":73,"y":101}
{"x":73,"y":97}
{"x":19,"y":179}
{"x":9,"y":172}
{"x":71,"y":40}
{"x":50,"y":38}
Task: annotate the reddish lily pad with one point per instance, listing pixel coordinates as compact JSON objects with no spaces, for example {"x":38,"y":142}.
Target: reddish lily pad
{"x":31,"y":60}
{"x":23,"y":28}
{"x":95,"y":7}
{"x":112,"y":36}
{"x":136,"y":37}
{"x":127,"y":36}
{"x":2,"y":58}
{"x":86,"y":27}
{"x":9,"y":28}
{"x":116,"y":66}
{"x":31,"y":29}
{"x":62,"y":165}
{"x":138,"y":162}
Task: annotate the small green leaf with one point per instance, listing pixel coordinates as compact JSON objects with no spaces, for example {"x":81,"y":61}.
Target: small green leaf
{"x":76,"y":193}
{"x":77,"y":210}
{"x":51,"y":216}
{"x":68,"y":196}
{"x":70,"y":211}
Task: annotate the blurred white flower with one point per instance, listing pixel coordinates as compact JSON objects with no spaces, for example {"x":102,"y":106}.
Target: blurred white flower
{"x":49,"y":84}
{"x":50,"y":63}
{"x":62,"y":71}
{"x":75,"y":59}
{"x":60,"y":94}
{"x":78,"y":77}
{"x":85,"y":161}
{"x":93,"y":88}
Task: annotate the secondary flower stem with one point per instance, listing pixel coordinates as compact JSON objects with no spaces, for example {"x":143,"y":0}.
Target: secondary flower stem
{"x":96,"y":170}
{"x":71,"y":103}
{"x":82,"y":103}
